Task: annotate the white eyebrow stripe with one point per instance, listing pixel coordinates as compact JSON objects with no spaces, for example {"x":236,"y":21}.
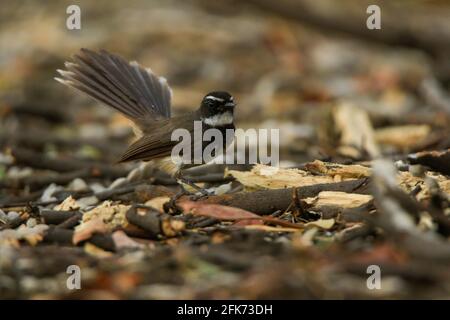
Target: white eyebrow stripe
{"x":214,"y":98}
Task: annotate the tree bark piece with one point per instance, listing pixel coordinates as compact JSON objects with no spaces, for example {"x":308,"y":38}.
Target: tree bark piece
{"x":57,"y":217}
{"x":265,"y":202}
{"x":436,"y":160}
{"x":154,"y":222}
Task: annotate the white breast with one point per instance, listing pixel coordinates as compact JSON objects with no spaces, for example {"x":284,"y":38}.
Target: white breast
{"x":219,"y":120}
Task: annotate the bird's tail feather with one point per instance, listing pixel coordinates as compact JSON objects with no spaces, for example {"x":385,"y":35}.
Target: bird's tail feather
{"x":127,"y":87}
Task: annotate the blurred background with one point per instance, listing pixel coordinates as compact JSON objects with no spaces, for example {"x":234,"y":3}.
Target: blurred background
{"x":291,"y":65}
{"x":337,"y":91}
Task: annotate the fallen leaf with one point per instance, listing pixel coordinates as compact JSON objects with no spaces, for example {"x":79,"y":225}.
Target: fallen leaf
{"x":271,"y":229}
{"x":172,"y":227}
{"x":121,"y":240}
{"x":113,"y":215}
{"x":95,"y":251}
{"x":355,"y":129}
{"x":321,"y":223}
{"x":158,"y":203}
{"x":306,"y":238}
{"x":220,"y":212}
{"x":33,"y":235}
{"x":226,"y":213}
{"x":402,"y":137}
{"x":68,"y":204}
{"x":353,"y":171}
{"x":85,"y":230}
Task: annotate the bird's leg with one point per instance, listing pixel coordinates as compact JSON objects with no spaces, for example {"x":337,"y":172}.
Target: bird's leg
{"x":203,"y":191}
{"x":182,"y":180}
{"x":173,"y":200}
{"x":183,"y":191}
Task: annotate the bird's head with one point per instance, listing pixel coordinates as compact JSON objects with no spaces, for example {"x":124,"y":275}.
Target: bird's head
{"x":217,"y":108}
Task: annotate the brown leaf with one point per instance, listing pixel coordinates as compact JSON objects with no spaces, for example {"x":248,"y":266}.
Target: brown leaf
{"x":271,"y":229}
{"x":402,"y":137}
{"x":355,"y":129}
{"x":87,"y":229}
{"x":68,"y":204}
{"x":245,"y":217}
{"x":220,"y":212}
{"x":121,"y":240}
{"x":158,"y":203}
{"x":113,"y":215}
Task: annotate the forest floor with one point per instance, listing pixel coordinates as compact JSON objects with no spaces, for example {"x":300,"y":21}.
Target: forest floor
{"x":363,"y":185}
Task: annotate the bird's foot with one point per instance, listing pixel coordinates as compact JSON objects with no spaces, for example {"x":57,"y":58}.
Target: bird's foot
{"x":203,"y":192}
{"x":172,"y":204}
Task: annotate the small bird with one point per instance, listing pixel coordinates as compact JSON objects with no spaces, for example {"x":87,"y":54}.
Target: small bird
{"x":145,"y":99}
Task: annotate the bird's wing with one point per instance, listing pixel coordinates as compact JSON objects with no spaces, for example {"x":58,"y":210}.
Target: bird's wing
{"x":127,"y":87}
{"x":157,"y":142}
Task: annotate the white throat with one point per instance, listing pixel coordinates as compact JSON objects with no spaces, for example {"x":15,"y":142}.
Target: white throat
{"x":219,"y":120}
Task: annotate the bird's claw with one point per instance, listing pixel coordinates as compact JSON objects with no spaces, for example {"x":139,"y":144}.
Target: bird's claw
{"x":172,"y":204}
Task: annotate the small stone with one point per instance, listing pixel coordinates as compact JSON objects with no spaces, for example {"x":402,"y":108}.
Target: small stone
{"x":97,"y":187}
{"x":78,"y":185}
{"x":118,"y":183}
{"x":12,"y":215}
{"x":31,"y":222}
{"x":87,"y":201}
{"x":47,"y":195}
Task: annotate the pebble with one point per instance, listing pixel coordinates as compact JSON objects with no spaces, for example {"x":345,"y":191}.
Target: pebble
{"x":87,"y":201}
{"x":117,"y":183}
{"x":12,"y":215}
{"x":78,"y":184}
{"x":47,"y":195}
{"x":97,"y":187}
{"x":31,"y":222}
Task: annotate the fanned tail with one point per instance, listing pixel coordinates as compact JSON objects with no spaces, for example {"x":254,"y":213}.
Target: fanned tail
{"x":127,"y":87}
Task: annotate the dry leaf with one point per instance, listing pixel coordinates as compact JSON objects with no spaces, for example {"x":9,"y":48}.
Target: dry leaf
{"x":68,"y":204}
{"x":32,"y":235}
{"x":234,"y":214}
{"x":355,"y":129}
{"x":158,"y":203}
{"x":121,"y":240}
{"x":306,"y":239}
{"x":321,"y":223}
{"x":85,"y":230}
{"x":271,"y":229}
{"x":408,"y":182}
{"x":95,"y":251}
{"x":113,"y":215}
{"x":219,"y":212}
{"x":172,"y":227}
{"x":353,"y":171}
{"x":402,"y":137}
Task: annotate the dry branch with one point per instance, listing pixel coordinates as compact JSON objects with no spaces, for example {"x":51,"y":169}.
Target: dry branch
{"x":265,"y":202}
